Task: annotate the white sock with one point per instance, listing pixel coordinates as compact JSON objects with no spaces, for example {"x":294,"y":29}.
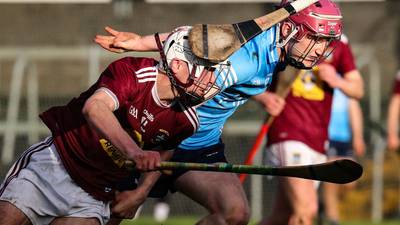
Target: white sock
{"x":161,"y":211}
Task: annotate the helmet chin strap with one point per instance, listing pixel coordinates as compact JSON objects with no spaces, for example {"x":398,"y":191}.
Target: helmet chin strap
{"x":295,"y":63}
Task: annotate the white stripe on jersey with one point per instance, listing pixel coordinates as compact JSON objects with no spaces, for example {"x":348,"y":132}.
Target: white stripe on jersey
{"x":143,"y":75}
{"x":112,"y":95}
{"x":147,"y":72}
{"x":272,"y":53}
{"x":232,"y":77}
{"x":239,"y":102}
{"x":147,"y":79}
{"x":151,"y":69}
{"x":230,"y":81}
{"x":191,"y":115}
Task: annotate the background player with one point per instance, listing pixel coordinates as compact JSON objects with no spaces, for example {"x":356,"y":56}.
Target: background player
{"x":299,"y":135}
{"x":71,"y":177}
{"x":345,"y":137}
{"x":393,"y":116}
{"x":252,"y":68}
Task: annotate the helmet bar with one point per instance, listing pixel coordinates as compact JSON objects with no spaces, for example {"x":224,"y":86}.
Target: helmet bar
{"x":326,"y":17}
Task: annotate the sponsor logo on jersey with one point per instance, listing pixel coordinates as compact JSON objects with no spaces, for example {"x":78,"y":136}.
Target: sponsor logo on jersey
{"x":113,"y":152}
{"x":145,"y":119}
{"x":309,"y":86}
{"x":148,"y":115}
{"x":133,"y":111}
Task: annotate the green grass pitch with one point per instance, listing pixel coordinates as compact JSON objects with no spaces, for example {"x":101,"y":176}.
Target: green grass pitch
{"x":191,"y":220}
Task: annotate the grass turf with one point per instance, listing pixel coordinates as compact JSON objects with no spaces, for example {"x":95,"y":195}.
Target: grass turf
{"x":191,"y":220}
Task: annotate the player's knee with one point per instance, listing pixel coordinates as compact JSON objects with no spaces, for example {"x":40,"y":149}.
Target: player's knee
{"x":313,"y":211}
{"x":307,"y":212}
{"x":9,"y":214}
{"x":238,"y":219}
{"x":238,"y":216}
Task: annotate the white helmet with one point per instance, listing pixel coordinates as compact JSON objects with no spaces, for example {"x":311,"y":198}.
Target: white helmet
{"x":176,"y":46}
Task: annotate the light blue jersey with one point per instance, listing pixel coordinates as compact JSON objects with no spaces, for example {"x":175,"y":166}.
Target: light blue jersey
{"x":252,"y":67}
{"x":339,"y":125}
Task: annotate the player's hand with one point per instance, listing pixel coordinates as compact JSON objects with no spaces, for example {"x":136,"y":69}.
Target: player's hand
{"x":117,"y":41}
{"x":126,"y":203}
{"x":328,"y":74}
{"x":147,"y":160}
{"x":393,"y":142}
{"x":359,"y":146}
{"x":273,"y":103}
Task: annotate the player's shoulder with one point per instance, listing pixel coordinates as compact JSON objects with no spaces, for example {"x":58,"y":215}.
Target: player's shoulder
{"x":190,"y":113}
{"x":398,"y":76}
{"x":136,"y":67}
{"x":135,"y":63}
{"x":343,"y":42}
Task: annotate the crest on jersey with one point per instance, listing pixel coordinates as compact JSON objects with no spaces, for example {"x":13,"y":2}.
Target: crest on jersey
{"x":160,"y":137}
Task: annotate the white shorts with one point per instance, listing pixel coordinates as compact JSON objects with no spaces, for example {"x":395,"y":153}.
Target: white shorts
{"x":41,"y":188}
{"x":293,"y":153}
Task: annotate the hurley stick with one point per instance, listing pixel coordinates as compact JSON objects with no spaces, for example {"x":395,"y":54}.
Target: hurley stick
{"x":338,"y":171}
{"x":216,"y":42}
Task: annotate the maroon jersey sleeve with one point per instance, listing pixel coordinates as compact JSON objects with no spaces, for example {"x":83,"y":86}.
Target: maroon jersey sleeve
{"x":119,"y":80}
{"x":396,"y":86}
{"x":344,"y":57}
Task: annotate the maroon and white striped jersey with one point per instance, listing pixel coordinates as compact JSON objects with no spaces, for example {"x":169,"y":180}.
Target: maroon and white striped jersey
{"x":92,"y":161}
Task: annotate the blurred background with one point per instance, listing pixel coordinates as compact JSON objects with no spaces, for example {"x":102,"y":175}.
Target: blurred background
{"x":47,"y":56}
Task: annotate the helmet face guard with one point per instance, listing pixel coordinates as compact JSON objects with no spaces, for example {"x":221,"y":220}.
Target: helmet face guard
{"x":321,"y":23}
{"x":198,"y":87}
{"x":296,"y":57}
{"x":208,"y":86}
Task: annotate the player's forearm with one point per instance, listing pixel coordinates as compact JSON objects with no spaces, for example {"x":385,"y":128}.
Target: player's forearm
{"x":99,"y":116}
{"x":148,"y":43}
{"x":356,"y":119}
{"x":352,"y":90}
{"x":150,"y":178}
{"x":393,"y":116}
{"x":352,"y":84}
{"x":260,"y":98}
{"x":147,"y":182}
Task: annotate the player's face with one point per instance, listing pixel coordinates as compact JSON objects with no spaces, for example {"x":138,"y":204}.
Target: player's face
{"x":200,"y":88}
{"x":309,"y":50}
{"x":203,"y":85}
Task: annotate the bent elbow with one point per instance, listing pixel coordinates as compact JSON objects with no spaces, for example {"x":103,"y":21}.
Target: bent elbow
{"x":360,"y":94}
{"x":89,"y":108}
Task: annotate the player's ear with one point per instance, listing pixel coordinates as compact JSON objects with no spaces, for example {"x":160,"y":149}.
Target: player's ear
{"x":175,"y":65}
{"x":286,"y":28}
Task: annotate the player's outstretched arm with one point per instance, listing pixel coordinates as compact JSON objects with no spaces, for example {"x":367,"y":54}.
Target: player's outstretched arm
{"x":98,"y":111}
{"x":356,"y":122}
{"x":120,"y":42}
